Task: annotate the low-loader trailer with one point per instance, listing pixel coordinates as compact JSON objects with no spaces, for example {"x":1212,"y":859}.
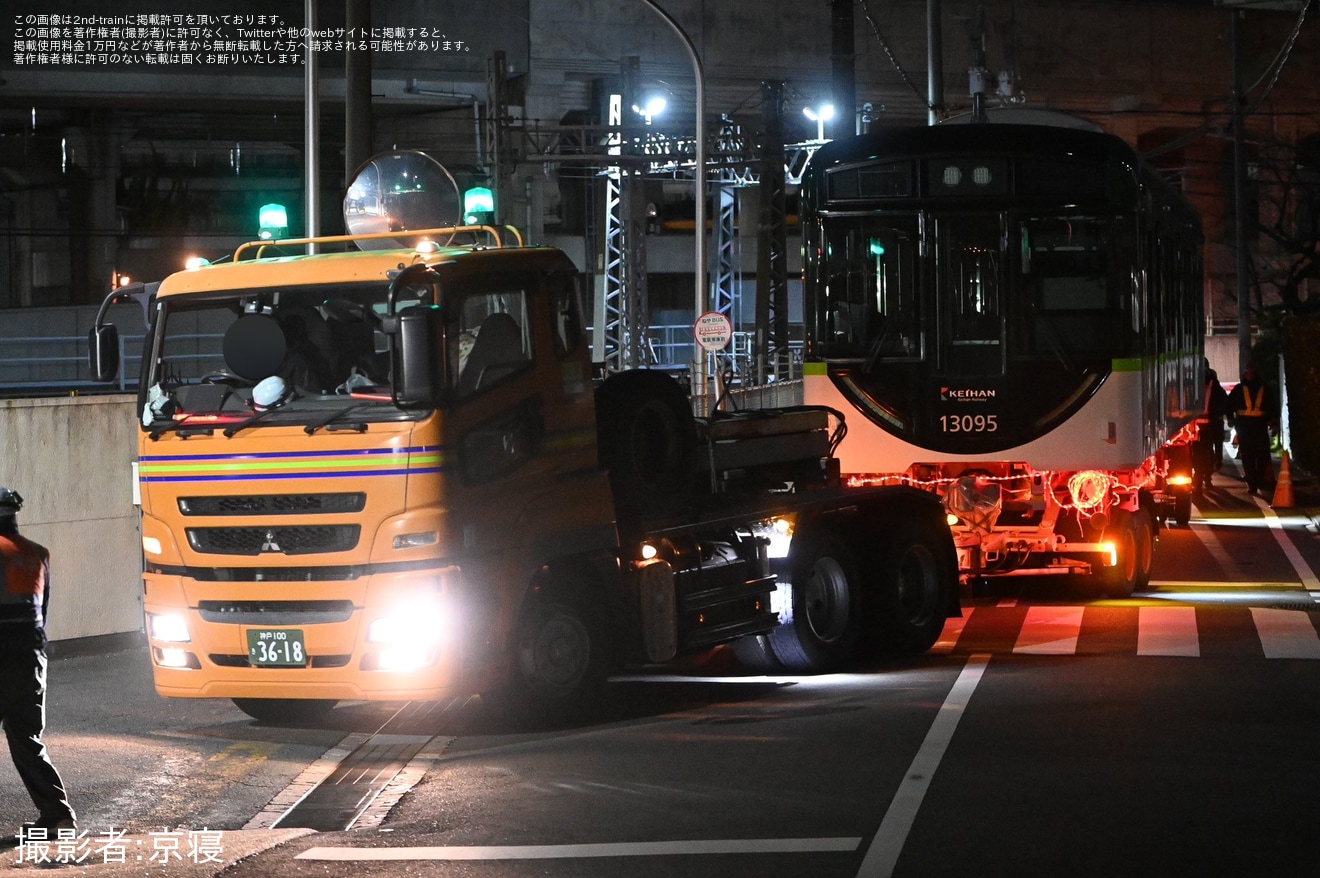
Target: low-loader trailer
{"x":391,"y":474}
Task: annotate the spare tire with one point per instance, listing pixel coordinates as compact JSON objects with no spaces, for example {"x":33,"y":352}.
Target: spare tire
{"x":647,"y":441}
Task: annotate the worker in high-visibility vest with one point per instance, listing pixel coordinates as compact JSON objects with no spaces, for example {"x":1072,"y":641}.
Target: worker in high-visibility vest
{"x":24,"y":600}
{"x":1254,"y":412}
{"x":1208,"y":450}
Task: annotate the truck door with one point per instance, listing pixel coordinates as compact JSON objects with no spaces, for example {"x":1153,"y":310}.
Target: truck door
{"x":521,"y":423}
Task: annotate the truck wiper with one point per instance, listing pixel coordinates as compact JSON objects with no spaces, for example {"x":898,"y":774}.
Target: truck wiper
{"x":179,"y":427}
{"x":243,"y":425}
{"x":325,"y":422}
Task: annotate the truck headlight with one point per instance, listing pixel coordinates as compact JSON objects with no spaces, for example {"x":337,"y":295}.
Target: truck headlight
{"x":410,"y":633}
{"x":168,"y":628}
{"x":420,"y":621}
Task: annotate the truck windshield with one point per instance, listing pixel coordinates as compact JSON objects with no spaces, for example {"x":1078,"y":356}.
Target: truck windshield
{"x":297,"y":354}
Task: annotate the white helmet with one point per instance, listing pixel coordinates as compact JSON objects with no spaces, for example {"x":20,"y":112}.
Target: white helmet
{"x":10,"y":501}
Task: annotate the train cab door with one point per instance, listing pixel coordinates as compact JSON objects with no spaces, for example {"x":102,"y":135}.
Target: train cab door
{"x":970,"y":285}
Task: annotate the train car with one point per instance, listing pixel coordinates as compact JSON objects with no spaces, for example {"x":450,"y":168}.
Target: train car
{"x":1010,"y":315}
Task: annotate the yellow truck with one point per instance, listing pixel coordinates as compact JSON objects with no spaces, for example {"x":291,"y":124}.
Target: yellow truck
{"x":391,"y":475}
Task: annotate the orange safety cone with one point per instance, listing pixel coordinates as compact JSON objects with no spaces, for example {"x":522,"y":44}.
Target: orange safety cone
{"x":1283,"y":492}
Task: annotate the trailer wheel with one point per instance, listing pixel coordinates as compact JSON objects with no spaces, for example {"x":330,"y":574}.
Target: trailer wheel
{"x":822,"y":630}
{"x":916,"y":582}
{"x":646,"y":440}
{"x":1182,"y":509}
{"x":285,"y":710}
{"x":1121,"y":580}
{"x":1144,"y":532}
{"x":560,"y":660}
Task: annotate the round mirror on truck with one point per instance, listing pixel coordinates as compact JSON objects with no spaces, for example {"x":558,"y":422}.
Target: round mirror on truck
{"x":400,"y":192}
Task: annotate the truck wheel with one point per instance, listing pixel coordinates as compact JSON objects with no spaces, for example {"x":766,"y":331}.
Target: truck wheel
{"x":285,"y":710}
{"x":1120,"y":580}
{"x":916,"y":583}
{"x":754,"y":653}
{"x":560,"y":660}
{"x":647,"y":441}
{"x":822,"y":630}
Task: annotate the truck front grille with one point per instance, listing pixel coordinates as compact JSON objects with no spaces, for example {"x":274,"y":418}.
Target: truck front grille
{"x":315,"y":661}
{"x":275,"y":612}
{"x":287,"y":540}
{"x":274,"y":504}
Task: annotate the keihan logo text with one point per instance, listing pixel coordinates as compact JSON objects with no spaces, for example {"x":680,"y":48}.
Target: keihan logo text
{"x":965,"y":394}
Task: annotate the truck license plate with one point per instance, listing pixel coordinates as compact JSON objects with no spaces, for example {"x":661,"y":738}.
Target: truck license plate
{"x":276,"y":648}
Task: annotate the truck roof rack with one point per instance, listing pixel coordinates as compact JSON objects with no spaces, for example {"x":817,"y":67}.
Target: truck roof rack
{"x":494,"y":233}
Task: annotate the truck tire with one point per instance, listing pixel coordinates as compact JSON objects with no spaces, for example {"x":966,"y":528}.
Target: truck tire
{"x":822,"y":630}
{"x":1127,"y":535}
{"x":647,"y":441}
{"x":560,"y":660}
{"x":280,"y":711}
{"x":915,"y":584}
{"x":754,"y":653}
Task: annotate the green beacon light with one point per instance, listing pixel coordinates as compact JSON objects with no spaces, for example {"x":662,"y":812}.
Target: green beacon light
{"x":478,"y":206}
{"x":272,"y":221}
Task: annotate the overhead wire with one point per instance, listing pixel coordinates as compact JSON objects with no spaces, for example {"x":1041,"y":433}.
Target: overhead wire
{"x":903,"y":74}
{"x":1273,"y":71}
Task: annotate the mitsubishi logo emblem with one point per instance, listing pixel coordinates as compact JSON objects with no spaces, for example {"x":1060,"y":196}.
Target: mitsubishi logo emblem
{"x":269,"y":545}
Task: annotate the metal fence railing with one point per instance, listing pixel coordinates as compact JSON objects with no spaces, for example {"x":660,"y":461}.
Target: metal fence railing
{"x":58,"y":364}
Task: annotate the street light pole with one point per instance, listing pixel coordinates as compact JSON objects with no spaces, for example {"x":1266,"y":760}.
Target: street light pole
{"x":699,"y":174}
{"x":1240,"y":260}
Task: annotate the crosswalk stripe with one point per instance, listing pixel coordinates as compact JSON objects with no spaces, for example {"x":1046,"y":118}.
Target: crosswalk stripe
{"x":1160,"y":631}
{"x":1167,"y":631}
{"x":953,"y":629}
{"x":1050,"y":631}
{"x":1286,"y":634}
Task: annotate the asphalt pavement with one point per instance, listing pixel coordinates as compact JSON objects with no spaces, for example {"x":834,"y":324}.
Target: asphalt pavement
{"x":119,"y":686}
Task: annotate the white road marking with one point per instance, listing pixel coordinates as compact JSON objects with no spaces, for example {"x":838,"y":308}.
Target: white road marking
{"x":704,"y":847}
{"x":1167,"y":631}
{"x":1286,"y":633}
{"x":1304,"y":572}
{"x":1216,"y":549}
{"x":1050,"y":631}
{"x":953,"y":628}
{"x":883,"y":853}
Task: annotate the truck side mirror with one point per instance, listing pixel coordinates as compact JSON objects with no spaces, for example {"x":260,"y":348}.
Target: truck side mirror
{"x":417,"y":365}
{"x":103,"y":352}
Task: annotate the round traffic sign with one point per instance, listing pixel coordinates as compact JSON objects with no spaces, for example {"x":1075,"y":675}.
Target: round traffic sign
{"x":712,"y":331}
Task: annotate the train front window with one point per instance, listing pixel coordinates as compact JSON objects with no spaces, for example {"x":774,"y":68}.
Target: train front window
{"x":872,"y":311}
{"x":1073,"y":285}
{"x":970,"y":292}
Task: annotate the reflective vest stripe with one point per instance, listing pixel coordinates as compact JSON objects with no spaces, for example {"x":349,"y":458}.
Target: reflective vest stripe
{"x":1255,"y":408}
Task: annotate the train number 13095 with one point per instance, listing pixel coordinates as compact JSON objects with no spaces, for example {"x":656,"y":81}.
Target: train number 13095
{"x":969,"y":423}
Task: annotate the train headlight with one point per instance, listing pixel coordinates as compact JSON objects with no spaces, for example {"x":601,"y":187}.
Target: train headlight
{"x":168,"y":628}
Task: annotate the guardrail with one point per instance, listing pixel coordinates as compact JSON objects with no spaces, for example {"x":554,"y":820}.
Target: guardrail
{"x":59,"y":362}
{"x":31,"y":365}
